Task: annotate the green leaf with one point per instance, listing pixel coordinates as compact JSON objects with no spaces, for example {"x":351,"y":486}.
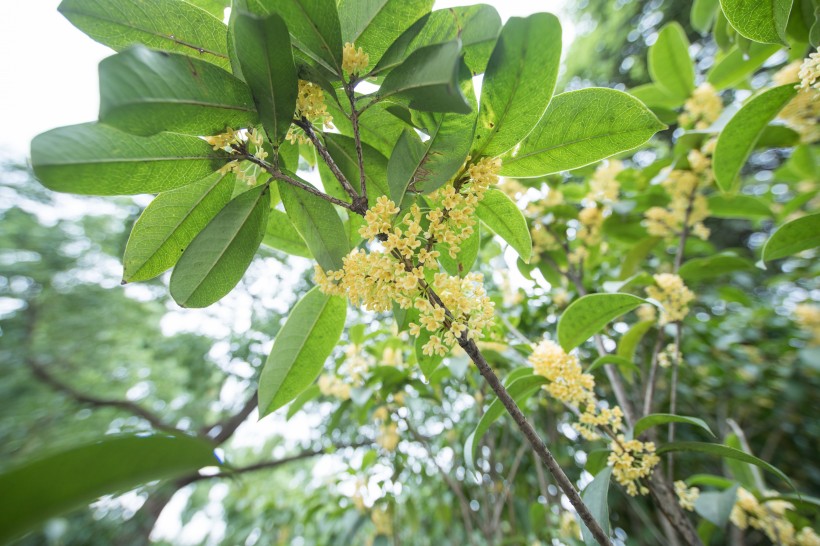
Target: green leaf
{"x":624,"y":364}
{"x":636,"y":256}
{"x":219,"y":255}
{"x":427,"y":364}
{"x":406,"y":158}
{"x":582,"y":127}
{"x":374,"y":25}
{"x":703,"y":14}
{"x":377,"y":127}
{"x":655,"y":419}
{"x":144,"y":92}
{"x":502,"y":215}
{"x":655,"y":96}
{"x":744,"y":207}
{"x":519,"y":82}
{"x":304,"y":397}
{"x":300,"y":349}
{"x":630,"y":340}
{"x":737,"y":140}
{"x":759,"y":20}
{"x":214,"y":7}
{"x":595,"y":497}
{"x":95,"y":159}
{"x":477,"y":26}
{"x":520,"y":390}
{"x":429,"y":80}
{"x":465,"y":259}
{"x":716,"y":506}
{"x":793,"y":237}
{"x":168,"y":225}
{"x":264,"y":54}
{"x":281,"y":235}
{"x":737,"y":65}
{"x":698,"y":269}
{"x":319,"y":225}
{"x":167,"y":25}
{"x":587,"y":315}
{"x":313,"y":25}
{"x":39,"y":490}
{"x":670,"y":66}
{"x":725,"y":452}
{"x":343,"y":151}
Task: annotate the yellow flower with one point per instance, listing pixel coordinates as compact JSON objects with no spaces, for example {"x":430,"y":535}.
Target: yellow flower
{"x":382,"y":521}
{"x":388,"y":436}
{"x":809,"y":73}
{"x":354,"y":61}
{"x":603,"y":186}
{"x":702,"y":109}
{"x":632,"y":461}
{"x":808,"y":317}
{"x":686,"y":495}
{"x":330,"y":385}
{"x":569,"y":527}
{"x":673,"y":295}
{"x":802,"y":112}
{"x":591,"y":218}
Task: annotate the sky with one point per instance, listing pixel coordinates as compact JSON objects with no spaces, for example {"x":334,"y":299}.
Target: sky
{"x":49,"y":71}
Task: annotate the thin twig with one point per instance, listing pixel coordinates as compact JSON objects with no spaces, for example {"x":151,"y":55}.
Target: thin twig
{"x":649,"y":393}
{"x":307,"y":127}
{"x":354,"y":120}
{"x":223,"y":430}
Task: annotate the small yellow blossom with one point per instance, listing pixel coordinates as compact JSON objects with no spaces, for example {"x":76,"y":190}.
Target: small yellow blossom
{"x":591,"y":219}
{"x":668,"y":355}
{"x":646,"y":312}
{"x":673,"y":295}
{"x":769,"y":517}
{"x":632,"y":461}
{"x":354,"y":61}
{"x":388,"y":436}
{"x":382,"y":520}
{"x":686,"y":495}
{"x":803,"y":111}
{"x":686,"y":205}
{"x":809,"y":73}
{"x":310,"y":105}
{"x":568,"y":527}
{"x":604,"y":186}
{"x":808,"y":317}
{"x":330,"y":385}
{"x":357,"y":363}
{"x":702,"y":109}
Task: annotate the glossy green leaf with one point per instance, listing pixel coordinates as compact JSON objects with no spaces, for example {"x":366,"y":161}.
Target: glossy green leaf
{"x":626,"y":366}
{"x":738,"y":65}
{"x":519,"y":82}
{"x":463,"y":262}
{"x":95,"y":159}
{"x":595,"y":497}
{"x":429,"y":80}
{"x":405,"y":159}
{"x":582,"y":127}
{"x":655,"y":96}
{"x":300,"y":349}
{"x":759,"y":20}
{"x":167,"y":25}
{"x":214,"y":7}
{"x":716,"y":506}
{"x":737,"y":140}
{"x":670,"y":66}
{"x":520,"y":390}
{"x":47,"y":487}
{"x":374,"y":25}
{"x":722,"y":451}
{"x":310,"y":393}
{"x":281,"y":235}
{"x":796,"y":236}
{"x":264,"y":54}
{"x":144,"y":92}
{"x":427,"y":363}
{"x":377,"y":126}
{"x":502,"y":215}
{"x":319,"y":225}
{"x":343,"y":151}
{"x":587,"y":315}
{"x":217,"y":258}
{"x":655,"y":419}
{"x":168,"y":225}
{"x":744,"y":207}
{"x":313,"y":25}
{"x":698,"y":269}
{"x":703,"y":13}
{"x":477,"y":26}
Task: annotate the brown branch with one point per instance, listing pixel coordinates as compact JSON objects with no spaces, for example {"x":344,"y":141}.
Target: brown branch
{"x":354,"y":120}
{"x":221,"y":431}
{"x":649,"y":393}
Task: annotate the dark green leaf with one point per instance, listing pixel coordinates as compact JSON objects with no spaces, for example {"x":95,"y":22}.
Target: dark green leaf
{"x":374,"y":25}
{"x":655,"y":419}
{"x":595,"y":497}
{"x":145,"y":92}
{"x":281,"y":235}
{"x":626,"y":366}
{"x":703,"y":14}
{"x":219,"y":255}
{"x":738,"y":138}
{"x":723,"y":451}
{"x":587,"y":315}
{"x":582,"y":127}
{"x":319,"y":225}
{"x":167,"y":25}
{"x":737,"y":65}
{"x":519,"y":82}
{"x":759,"y":20}
{"x":429,"y":80}
{"x":502,"y":215}
{"x":716,"y":506}
{"x":42,"y":489}
{"x":168,"y":225}
{"x":744,"y":207}
{"x":670,"y":66}
{"x":99,"y":160}
{"x":300,"y":349}
{"x":264,"y":54}
{"x":796,"y":236}
{"x":343,"y":151}
{"x":698,"y":269}
{"x":654,"y":96}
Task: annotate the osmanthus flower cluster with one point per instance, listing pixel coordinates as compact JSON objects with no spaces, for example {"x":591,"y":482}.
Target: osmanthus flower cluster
{"x":402,"y":264}
{"x":702,"y":109}
{"x":803,"y":111}
{"x":769,"y":517}
{"x":673,"y":295}
{"x":226,"y":142}
{"x":310,"y":105}
{"x":687,"y":496}
{"x":687,"y":206}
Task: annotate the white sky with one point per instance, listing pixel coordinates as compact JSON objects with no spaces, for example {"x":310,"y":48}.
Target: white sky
{"x":48,"y":76}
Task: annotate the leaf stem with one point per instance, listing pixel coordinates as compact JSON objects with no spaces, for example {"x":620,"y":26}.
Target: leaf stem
{"x":354,"y":120}
{"x":307,"y":127}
